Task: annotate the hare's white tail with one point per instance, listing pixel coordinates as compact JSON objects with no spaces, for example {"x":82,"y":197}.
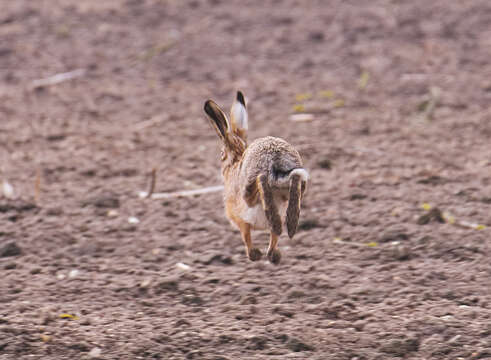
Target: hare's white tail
{"x":304,"y":175}
{"x":282,"y":179}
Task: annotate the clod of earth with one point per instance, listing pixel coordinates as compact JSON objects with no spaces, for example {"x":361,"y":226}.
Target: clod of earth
{"x":257,"y":343}
{"x":395,"y":234}
{"x":10,"y":249}
{"x":357,"y":196}
{"x":17,"y":206}
{"x":297,"y":345}
{"x":400,"y":347}
{"x":104,"y":201}
{"x":433,"y":214}
{"x":309,"y":224}
{"x":401,"y":252}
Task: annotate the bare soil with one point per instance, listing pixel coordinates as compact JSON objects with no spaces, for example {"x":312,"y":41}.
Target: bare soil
{"x":400,"y":94}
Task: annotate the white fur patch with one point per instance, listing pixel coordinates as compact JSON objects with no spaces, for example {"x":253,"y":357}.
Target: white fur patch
{"x":256,"y":217}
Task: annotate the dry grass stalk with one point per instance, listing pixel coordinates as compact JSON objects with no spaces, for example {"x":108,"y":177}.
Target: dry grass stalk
{"x":183,"y":193}
{"x":153,"y":180}
{"x":58,"y":78}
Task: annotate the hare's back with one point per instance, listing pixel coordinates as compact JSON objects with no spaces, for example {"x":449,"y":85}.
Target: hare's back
{"x":271,"y":156}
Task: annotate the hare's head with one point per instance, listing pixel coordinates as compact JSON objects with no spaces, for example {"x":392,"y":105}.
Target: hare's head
{"x":233,"y":133}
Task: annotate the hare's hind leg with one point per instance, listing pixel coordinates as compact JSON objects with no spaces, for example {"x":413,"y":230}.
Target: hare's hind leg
{"x":274,"y":254}
{"x":269,"y":206}
{"x":254,"y":254}
{"x":274,"y":219}
{"x":297,"y":188}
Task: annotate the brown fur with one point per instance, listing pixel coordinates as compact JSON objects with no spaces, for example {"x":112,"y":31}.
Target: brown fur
{"x":293,"y":210}
{"x":269,"y":205}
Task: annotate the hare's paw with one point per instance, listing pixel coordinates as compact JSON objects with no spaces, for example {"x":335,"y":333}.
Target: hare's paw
{"x":274,"y":256}
{"x":255,"y":254}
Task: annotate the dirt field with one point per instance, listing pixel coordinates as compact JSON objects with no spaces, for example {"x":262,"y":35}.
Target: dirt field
{"x":392,"y":256}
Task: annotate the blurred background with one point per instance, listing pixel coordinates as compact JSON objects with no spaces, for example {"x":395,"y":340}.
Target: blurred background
{"x":388,"y":103}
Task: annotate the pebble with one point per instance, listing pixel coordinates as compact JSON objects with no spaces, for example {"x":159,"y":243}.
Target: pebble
{"x":297,"y":345}
{"x":183,"y":266}
{"x":394,"y":234}
{"x":73,"y":273}
{"x":401,"y":252}
{"x":145,"y":283}
{"x":10,"y":249}
{"x":133,"y":220}
{"x":95,"y":353}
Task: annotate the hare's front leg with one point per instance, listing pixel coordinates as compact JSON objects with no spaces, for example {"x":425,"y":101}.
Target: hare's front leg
{"x":274,"y":254}
{"x":254,"y":254}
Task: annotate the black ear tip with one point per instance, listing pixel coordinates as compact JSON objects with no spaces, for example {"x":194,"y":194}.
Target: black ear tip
{"x":207,"y":107}
{"x":240,"y":97}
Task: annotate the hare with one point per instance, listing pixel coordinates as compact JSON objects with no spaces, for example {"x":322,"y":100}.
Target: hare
{"x":263,"y":182}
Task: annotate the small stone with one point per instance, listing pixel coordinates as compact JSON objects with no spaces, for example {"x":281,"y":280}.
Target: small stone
{"x":183,"y":266}
{"x":182,"y":322}
{"x":10,"y":249}
{"x":283,"y":311}
{"x":325,"y":164}
{"x":8,"y":190}
{"x":36,"y":270}
{"x":357,"y":196}
{"x":95,"y":353}
{"x":60,"y":276}
{"x":145,"y":283}
{"x":309,"y":223}
{"x":297,"y":345}
{"x":216,"y":259}
{"x":73,"y":273}
{"x":195,"y":354}
{"x":45,"y":338}
{"x":248,"y":300}
{"x":359,"y":325}
{"x":54,"y":211}
{"x":133,"y":220}
{"x":10,"y":266}
{"x":401,"y":252}
{"x":112,"y":213}
{"x":85,"y":321}
{"x":257,"y":343}
{"x":193,"y":300}
{"x":105,"y":201}
{"x":295,"y":294}
{"x":167,"y":284}
{"x":400,"y":347}
{"x":395,"y":234}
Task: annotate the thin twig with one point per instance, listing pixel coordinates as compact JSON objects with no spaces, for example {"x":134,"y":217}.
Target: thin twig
{"x":153,"y":180}
{"x":150,"y":122}
{"x":182,"y":193}
{"x":58,"y":78}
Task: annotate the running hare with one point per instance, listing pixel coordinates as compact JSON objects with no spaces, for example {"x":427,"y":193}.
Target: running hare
{"x":264,"y":181}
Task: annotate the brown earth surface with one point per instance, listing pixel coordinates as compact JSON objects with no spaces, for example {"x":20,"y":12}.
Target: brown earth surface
{"x":399,"y":92}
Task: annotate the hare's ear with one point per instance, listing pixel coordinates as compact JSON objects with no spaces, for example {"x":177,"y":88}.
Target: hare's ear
{"x":238,"y":116}
{"x":217,"y":119}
